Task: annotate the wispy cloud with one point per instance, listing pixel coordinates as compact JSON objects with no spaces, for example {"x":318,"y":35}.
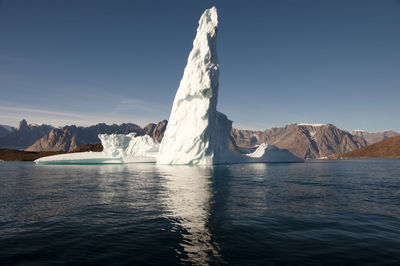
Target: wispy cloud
{"x":38,"y":111}
{"x":11,"y":59}
{"x":123,"y":111}
{"x":10,"y":115}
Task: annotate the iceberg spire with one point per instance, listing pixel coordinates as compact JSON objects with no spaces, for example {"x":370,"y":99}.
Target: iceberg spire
{"x":196,"y":132}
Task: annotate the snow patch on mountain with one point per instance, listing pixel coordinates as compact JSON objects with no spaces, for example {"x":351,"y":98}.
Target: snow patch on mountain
{"x":313,"y":125}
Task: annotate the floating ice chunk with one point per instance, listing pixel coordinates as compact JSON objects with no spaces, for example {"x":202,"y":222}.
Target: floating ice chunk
{"x":117,"y":148}
{"x":265,"y":153}
{"x":270,"y":153}
{"x":79,"y":158}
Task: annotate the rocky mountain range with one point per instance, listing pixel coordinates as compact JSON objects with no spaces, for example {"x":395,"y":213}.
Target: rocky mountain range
{"x":69,"y":138}
{"x":24,"y":136}
{"x":307,"y":141}
{"x":4,"y":131}
{"x":156,"y":131}
{"x":372,"y":138}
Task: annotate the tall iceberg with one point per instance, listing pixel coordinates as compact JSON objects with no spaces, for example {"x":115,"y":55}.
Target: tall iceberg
{"x":196,"y":132}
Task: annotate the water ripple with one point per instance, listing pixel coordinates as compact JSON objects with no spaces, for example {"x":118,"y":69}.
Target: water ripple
{"x":329,"y":212}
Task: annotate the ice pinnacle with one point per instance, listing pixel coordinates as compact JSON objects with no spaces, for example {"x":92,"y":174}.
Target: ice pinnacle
{"x":196,"y":132}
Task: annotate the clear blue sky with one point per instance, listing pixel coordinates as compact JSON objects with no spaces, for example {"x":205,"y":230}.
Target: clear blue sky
{"x":84,"y":62}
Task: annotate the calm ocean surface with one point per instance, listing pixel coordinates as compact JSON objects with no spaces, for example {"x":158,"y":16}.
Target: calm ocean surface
{"x":343,"y":212}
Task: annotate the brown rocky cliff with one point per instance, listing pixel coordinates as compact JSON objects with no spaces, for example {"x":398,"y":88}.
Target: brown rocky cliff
{"x":387,"y":148}
{"x":56,"y":140}
{"x":156,"y":131}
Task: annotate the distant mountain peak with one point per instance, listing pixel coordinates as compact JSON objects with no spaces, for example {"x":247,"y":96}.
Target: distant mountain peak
{"x":23,"y":125}
{"x":24,"y":136}
{"x":372,"y":138}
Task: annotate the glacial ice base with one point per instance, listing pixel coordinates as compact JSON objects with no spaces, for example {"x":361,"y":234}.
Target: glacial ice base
{"x":119,"y":149}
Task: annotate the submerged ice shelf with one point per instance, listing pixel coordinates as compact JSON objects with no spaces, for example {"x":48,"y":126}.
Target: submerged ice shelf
{"x":196,"y":134}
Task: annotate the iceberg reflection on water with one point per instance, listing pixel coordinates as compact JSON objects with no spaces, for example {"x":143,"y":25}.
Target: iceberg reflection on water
{"x":188,"y":202}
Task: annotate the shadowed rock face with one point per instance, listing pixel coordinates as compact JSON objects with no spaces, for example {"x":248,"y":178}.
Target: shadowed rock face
{"x":89,"y":147}
{"x":24,"y":136}
{"x":304,"y":141}
{"x":3,"y":131}
{"x":18,"y":155}
{"x":156,"y":131}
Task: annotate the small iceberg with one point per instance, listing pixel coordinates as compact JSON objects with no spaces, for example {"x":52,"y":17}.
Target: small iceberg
{"x":117,"y":149}
{"x":79,"y":158}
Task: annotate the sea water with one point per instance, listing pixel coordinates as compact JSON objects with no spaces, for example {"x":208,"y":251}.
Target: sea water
{"x":342,"y":212}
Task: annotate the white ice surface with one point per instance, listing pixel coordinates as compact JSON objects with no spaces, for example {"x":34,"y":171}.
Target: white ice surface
{"x":117,"y":148}
{"x":78,"y":158}
{"x":270,"y":153}
{"x":196,"y":133}
{"x":125,"y":146}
